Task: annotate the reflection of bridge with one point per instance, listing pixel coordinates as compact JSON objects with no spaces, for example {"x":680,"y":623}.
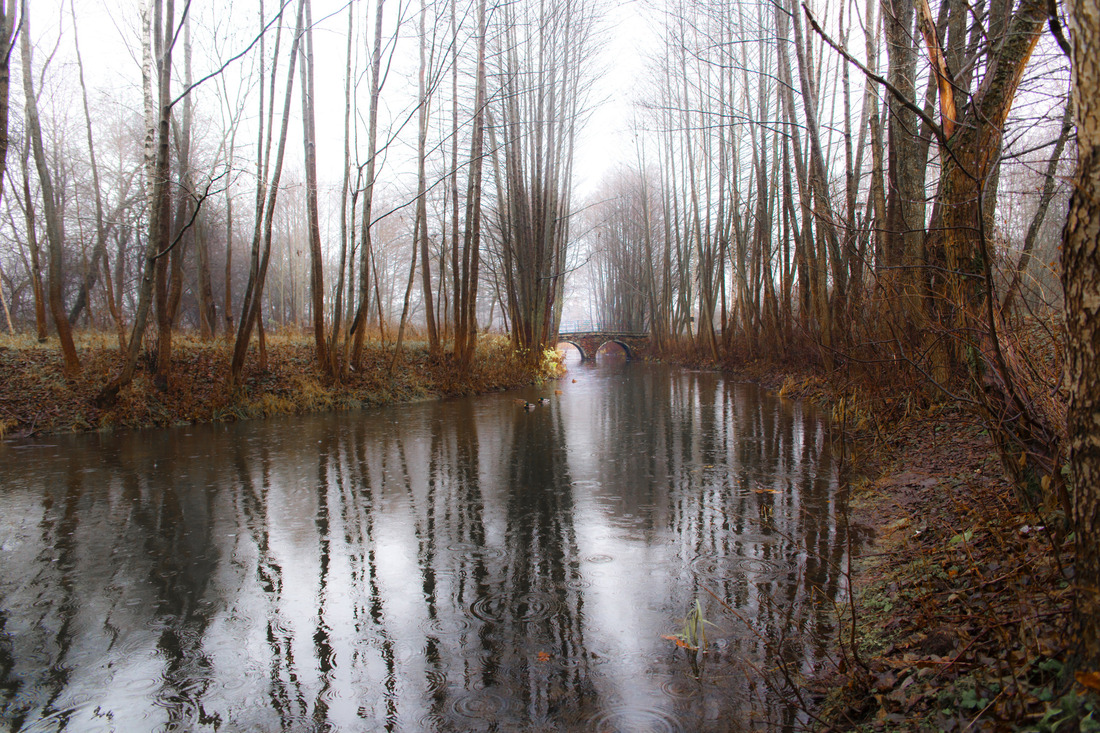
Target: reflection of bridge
{"x":589,"y":341}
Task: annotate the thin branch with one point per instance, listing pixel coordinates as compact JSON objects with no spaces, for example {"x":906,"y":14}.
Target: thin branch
{"x":223,"y":67}
{"x":194,"y":215}
{"x":925,"y":117}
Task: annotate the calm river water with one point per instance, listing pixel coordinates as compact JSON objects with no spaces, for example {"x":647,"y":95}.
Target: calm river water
{"x":447,"y":566}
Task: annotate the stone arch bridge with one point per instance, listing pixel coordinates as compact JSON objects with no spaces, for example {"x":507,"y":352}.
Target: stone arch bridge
{"x":588,"y":342}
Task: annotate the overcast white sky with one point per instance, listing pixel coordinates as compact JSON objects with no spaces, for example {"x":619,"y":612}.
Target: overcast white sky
{"x":108,"y":33}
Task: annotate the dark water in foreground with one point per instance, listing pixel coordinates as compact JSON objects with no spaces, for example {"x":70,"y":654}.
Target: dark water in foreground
{"x":445,"y":566}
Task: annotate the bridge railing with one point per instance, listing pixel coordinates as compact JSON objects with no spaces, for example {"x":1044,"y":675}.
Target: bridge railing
{"x":579,"y":326}
{"x":586,"y":326}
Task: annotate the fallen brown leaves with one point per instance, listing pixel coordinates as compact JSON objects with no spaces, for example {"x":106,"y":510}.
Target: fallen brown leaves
{"x":964,"y":598}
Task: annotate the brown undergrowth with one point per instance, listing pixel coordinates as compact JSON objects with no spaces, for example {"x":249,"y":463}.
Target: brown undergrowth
{"x":35,"y":397}
{"x":963,"y":597}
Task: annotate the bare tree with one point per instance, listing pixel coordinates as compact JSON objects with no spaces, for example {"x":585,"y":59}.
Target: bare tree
{"x":102,"y":233}
{"x":54,"y":234}
{"x":466,"y":278}
{"x":1045,"y":198}
{"x":7,"y":29}
{"x":421,"y":224}
{"x":542,"y":84}
{"x":309,"y":131}
{"x":34,"y":261}
{"x":358,"y":326}
{"x":162,"y":26}
{"x":347,"y":228}
{"x":252,"y":303}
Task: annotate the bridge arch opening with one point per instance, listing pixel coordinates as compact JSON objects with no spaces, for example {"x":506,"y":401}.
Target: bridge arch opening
{"x":572,"y":351}
{"x":632,"y":346}
{"x":614,"y":348}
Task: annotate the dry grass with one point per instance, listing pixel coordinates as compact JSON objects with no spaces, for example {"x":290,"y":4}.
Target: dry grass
{"x":35,"y":397}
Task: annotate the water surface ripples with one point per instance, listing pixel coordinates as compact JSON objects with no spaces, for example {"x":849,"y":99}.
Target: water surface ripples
{"x":450,"y":566}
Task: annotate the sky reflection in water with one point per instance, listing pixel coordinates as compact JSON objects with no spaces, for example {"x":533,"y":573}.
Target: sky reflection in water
{"x":453,"y":566}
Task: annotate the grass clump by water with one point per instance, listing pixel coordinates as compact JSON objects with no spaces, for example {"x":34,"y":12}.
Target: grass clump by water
{"x":693,"y":636}
{"x":36,"y":398}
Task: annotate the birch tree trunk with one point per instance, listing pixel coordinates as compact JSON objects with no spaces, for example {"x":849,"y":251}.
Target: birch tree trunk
{"x":157,"y":191}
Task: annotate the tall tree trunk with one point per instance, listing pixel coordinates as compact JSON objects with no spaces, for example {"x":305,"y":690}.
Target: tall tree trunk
{"x":252,"y":303}
{"x":231,"y":152}
{"x":456,"y":280}
{"x":540,"y":77}
{"x":169,"y":267}
{"x":903,"y":236}
{"x":158,"y":193}
{"x":7,"y":28}
{"x":309,"y":131}
{"x":965,"y":221}
{"x":878,"y":192}
{"x":421,"y":187}
{"x":359,"y":326}
{"x":207,"y":310}
{"x":347,"y":229}
{"x":38,"y":290}
{"x":54,"y":233}
{"x":823,"y":209}
{"x":1081,"y":281}
{"x":465,"y":322}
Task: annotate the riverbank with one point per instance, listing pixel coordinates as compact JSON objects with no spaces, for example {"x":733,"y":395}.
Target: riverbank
{"x":36,"y":399}
{"x":963,"y":598}
{"x":961,"y":615}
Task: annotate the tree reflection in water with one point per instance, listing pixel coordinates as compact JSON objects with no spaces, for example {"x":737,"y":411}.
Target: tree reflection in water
{"x":464,"y":565}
